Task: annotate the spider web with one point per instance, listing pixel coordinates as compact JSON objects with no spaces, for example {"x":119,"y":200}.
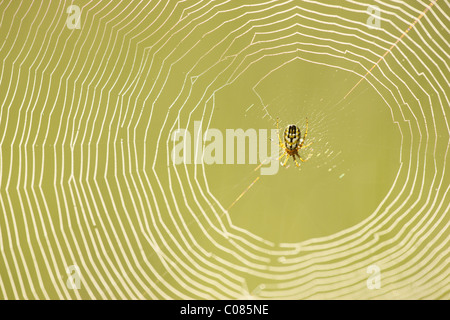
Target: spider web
{"x":86,"y":120}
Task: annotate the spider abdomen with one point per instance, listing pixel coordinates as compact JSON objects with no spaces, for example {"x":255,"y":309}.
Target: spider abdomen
{"x":292,"y":137}
{"x":292,"y":142}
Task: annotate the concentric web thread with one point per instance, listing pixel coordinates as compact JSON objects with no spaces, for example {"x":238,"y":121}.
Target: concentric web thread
{"x":86,"y":121}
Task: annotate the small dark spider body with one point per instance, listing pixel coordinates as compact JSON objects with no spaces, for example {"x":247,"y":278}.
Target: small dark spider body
{"x":292,"y":137}
{"x":293,"y":142}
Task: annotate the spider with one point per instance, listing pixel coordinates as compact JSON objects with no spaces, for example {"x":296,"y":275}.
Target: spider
{"x":292,"y":142}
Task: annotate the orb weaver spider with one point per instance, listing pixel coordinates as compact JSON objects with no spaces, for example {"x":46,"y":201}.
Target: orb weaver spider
{"x":292,"y":142}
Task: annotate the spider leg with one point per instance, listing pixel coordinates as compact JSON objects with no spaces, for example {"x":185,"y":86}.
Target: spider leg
{"x":284,"y":153}
{"x":306,"y":130}
{"x":278,"y":133}
{"x":296,"y":163}
{"x":304,"y":137}
{"x":305,"y":146}
{"x":286,"y":160}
